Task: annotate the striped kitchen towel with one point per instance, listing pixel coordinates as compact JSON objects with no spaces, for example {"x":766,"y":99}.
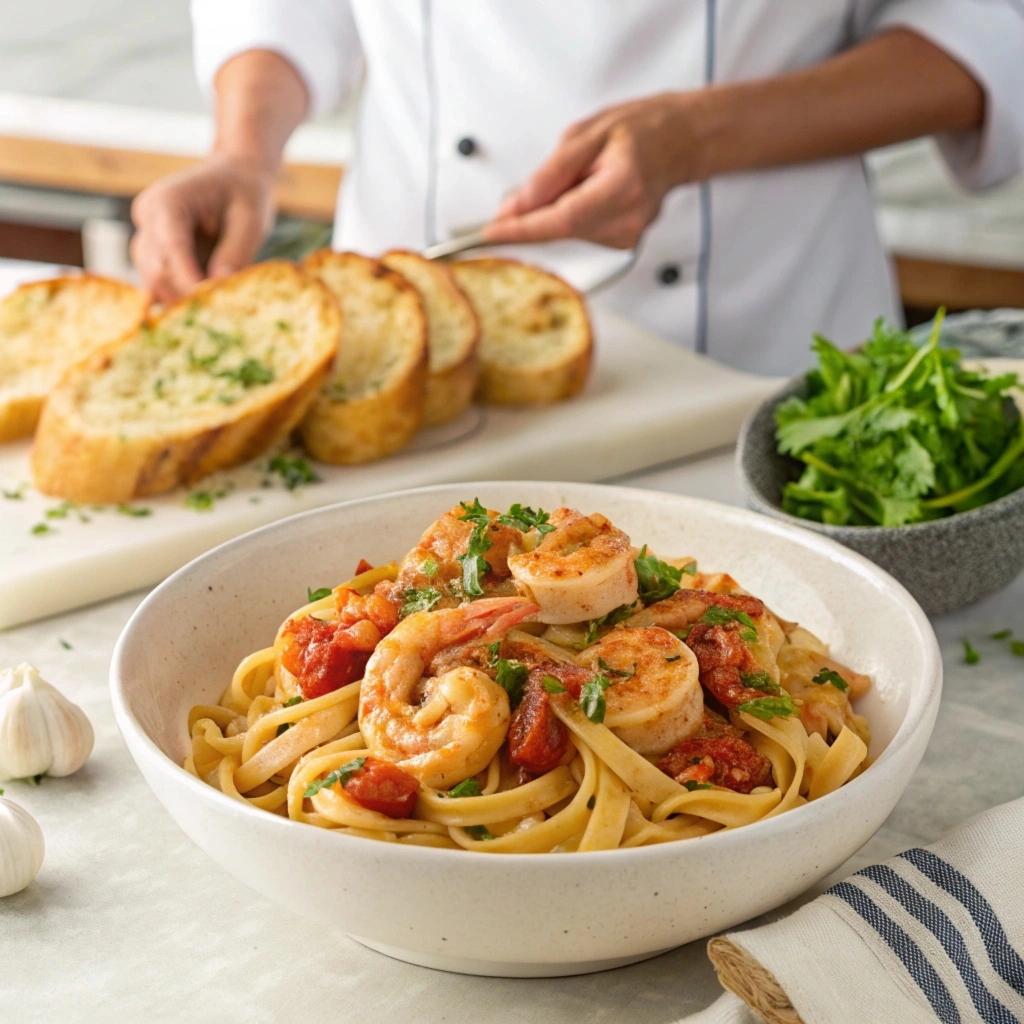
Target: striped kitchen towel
{"x":935,"y":934}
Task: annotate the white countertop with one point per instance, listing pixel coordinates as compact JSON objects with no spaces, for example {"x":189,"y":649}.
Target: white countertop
{"x":128,"y":921}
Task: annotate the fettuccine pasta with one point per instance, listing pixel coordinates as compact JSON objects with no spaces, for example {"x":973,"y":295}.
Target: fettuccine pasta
{"x":528,"y":682}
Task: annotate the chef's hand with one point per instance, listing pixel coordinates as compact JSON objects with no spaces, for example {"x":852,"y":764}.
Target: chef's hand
{"x":607,"y":177}
{"x":226,"y":198}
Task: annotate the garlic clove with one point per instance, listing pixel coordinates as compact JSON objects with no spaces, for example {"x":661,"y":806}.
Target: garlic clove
{"x":41,"y":731}
{"x":21,"y":848}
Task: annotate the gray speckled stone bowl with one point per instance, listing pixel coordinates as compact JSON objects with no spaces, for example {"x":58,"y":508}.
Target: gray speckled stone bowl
{"x":945,"y":564}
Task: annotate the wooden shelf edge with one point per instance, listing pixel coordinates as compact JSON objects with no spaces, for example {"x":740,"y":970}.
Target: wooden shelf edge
{"x":303,"y":190}
{"x":928,"y":284}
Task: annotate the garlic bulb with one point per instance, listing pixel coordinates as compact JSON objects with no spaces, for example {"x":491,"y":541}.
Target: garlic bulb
{"x":21,"y":848}
{"x":41,"y":731}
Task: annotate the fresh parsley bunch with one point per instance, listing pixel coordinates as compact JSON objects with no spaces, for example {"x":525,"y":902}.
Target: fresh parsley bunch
{"x":898,"y":433}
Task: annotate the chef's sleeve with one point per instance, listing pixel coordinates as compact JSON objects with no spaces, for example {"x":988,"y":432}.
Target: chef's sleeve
{"x":318,"y":37}
{"x":987,"y":38}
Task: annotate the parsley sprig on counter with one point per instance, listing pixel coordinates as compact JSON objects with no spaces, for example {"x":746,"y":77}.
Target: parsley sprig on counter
{"x":898,"y":433}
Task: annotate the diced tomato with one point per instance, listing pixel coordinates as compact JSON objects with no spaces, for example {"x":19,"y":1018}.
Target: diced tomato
{"x":363,"y":566}
{"x":718,"y":754}
{"x":722,"y":658}
{"x":537,"y":740}
{"x":383,"y":787}
{"x":324,"y":656}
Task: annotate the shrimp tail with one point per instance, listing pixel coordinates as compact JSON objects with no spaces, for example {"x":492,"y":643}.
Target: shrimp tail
{"x":488,"y":618}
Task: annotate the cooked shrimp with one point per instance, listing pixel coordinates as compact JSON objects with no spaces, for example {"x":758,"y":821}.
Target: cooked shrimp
{"x":444,"y":728}
{"x":580,"y":570}
{"x":434,"y":562}
{"x":686,"y":609}
{"x":656,"y":700}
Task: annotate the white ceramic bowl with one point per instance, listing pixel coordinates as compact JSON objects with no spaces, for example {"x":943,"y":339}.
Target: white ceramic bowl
{"x":521,"y":915}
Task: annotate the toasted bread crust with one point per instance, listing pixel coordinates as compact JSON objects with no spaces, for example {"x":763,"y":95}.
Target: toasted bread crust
{"x":70,"y":460}
{"x":520,"y":381}
{"x":451,"y":381}
{"x":19,"y":412}
{"x":371,"y":426}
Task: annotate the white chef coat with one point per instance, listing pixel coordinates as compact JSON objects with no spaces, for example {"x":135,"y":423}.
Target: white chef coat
{"x":462,"y":100}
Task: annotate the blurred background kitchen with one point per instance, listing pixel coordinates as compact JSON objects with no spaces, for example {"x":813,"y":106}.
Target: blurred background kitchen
{"x":97,"y":100}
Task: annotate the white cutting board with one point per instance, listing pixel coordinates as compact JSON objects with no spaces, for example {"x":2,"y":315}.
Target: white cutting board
{"x":646,"y":402}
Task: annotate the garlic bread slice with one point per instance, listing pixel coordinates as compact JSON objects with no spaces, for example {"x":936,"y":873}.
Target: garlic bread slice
{"x":45,"y":326}
{"x":452,"y":334}
{"x":372,"y":402}
{"x":535,"y":337}
{"x":211,"y":382}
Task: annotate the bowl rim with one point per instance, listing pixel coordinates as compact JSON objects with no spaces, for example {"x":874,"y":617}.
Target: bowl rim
{"x":990,"y":510}
{"x":920,"y":714}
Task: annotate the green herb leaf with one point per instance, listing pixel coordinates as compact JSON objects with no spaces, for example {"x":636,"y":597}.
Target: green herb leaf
{"x":657,"y":580}
{"x":317,"y":595}
{"x":604,"y":666}
{"x":826,"y":675}
{"x":524,"y":519}
{"x":429,"y":568}
{"x":592,"y":698}
{"x":718,"y":615}
{"x":552,"y":685}
{"x":468,"y":787}
{"x":767,"y":708}
{"x":690,"y":569}
{"x":512,"y":676}
{"x":693,"y":784}
{"x":292,"y":701}
{"x":475,"y":513}
{"x":342,"y":775}
{"x":480,"y":832}
{"x":134,"y":510}
{"x":40,"y":528}
{"x":1003,"y":634}
{"x":492,"y":653}
{"x":250,"y":373}
{"x":474,"y":565}
{"x":763,"y":682}
{"x":421,"y":600}
{"x":293,"y":471}
{"x":17,"y":494}
{"x":64,"y":643}
{"x":592,"y":802}
{"x":200,"y":501}
{"x":971,"y":656}
{"x":1017,"y":647}
{"x":675,"y":657}
{"x":283,"y":728}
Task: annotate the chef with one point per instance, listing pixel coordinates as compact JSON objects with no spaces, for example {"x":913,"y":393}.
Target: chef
{"x":716,"y":144}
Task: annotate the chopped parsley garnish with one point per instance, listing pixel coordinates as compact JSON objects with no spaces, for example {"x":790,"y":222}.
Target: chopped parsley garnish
{"x":292,"y":701}
{"x":283,"y":728}
{"x":657,"y":580}
{"x":317,"y":595}
{"x":511,"y":677}
{"x":693,"y":784}
{"x":690,"y":568}
{"x":138,"y":511}
{"x":480,"y":832}
{"x":492,"y":653}
{"x":282,"y":325}
{"x":474,"y":565}
{"x":613,"y":618}
{"x":18,"y":494}
{"x":592,"y":802}
{"x":592,"y":698}
{"x":342,"y":775}
{"x":1003,"y":634}
{"x":1017,"y":647}
{"x":468,"y":787}
{"x":552,"y":685}
{"x":826,"y":675}
{"x":64,"y":643}
{"x":200,"y":501}
{"x":429,"y":568}
{"x":524,"y":519}
{"x":767,"y":708}
{"x":64,"y":509}
{"x":971,"y":656}
{"x":293,"y":472}
{"x":421,"y":600}
{"x":249,"y":374}
{"x":675,"y":657}
{"x":604,"y":666}
{"x":764,"y":682}
{"x":718,"y":615}
{"x":40,"y":528}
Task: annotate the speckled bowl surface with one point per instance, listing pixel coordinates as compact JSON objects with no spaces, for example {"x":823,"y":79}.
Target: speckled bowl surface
{"x":945,"y":564}
{"x":520,"y":914}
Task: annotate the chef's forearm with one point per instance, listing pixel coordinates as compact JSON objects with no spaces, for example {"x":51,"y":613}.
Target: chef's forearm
{"x":895,"y":86}
{"x":261,"y":100}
